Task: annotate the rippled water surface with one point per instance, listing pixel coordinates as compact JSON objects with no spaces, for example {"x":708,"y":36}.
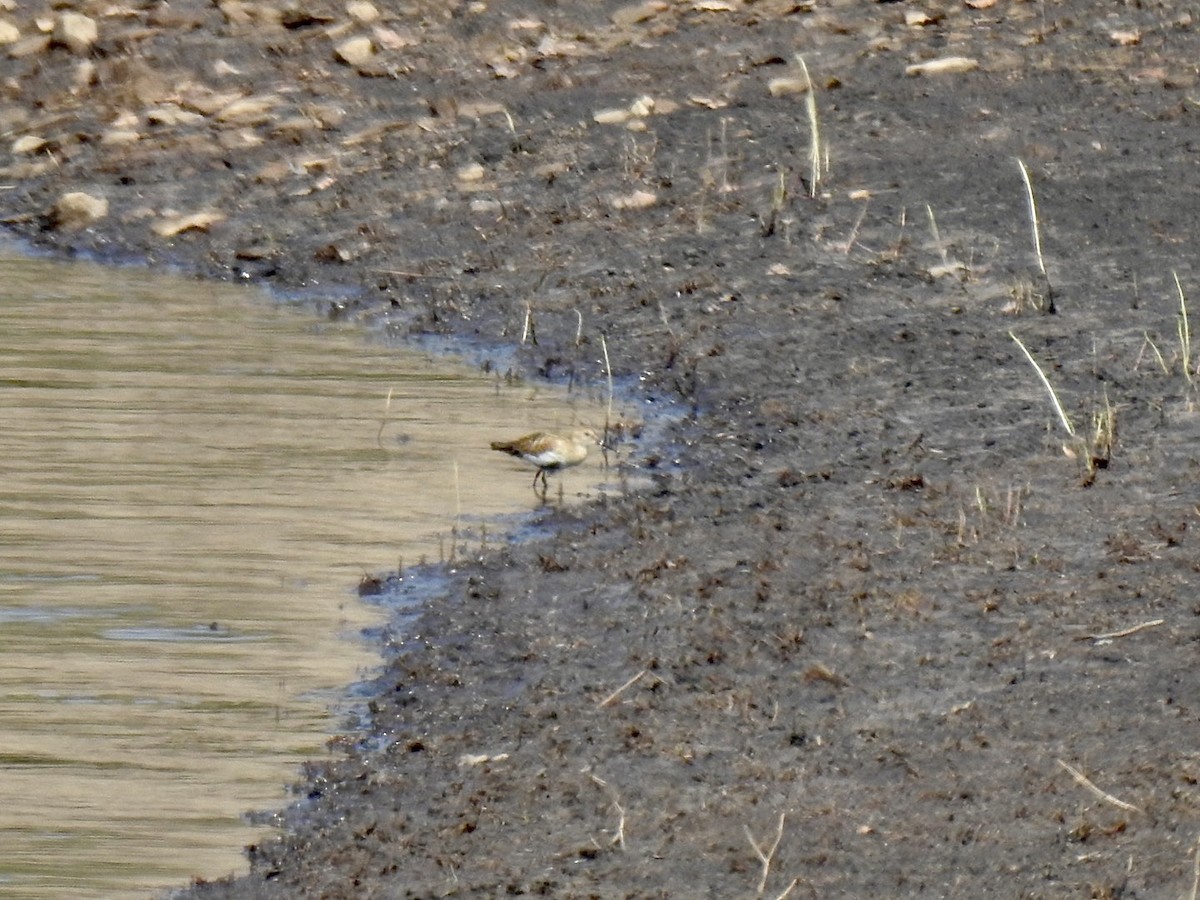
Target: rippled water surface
{"x":192,"y":481}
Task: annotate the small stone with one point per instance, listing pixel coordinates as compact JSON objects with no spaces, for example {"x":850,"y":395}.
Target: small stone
{"x":76,"y":32}
{"x":120,"y":136}
{"x":78,"y":210}
{"x":170,"y":115}
{"x":362,"y":11}
{"x":470,"y":173}
{"x":642,"y":107}
{"x":636,"y":200}
{"x":947,"y":64}
{"x":208,"y":103}
{"x":612,"y":116}
{"x":783,"y":86}
{"x":9,"y":33}
{"x":174,"y":225}
{"x":28,"y":144}
{"x":248,"y":110}
{"x":636,"y":14}
{"x":30,"y":46}
{"x":356,"y":51}
{"x":85,"y":76}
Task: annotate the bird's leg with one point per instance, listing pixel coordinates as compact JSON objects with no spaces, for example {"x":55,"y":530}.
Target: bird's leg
{"x":541,"y":474}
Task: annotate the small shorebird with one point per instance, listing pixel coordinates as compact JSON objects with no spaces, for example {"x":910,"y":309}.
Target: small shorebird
{"x":549,"y":451}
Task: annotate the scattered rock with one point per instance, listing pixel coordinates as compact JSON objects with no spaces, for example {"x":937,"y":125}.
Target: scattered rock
{"x":640,"y":108}
{"x":248,"y":110}
{"x":636,"y":200}
{"x":78,"y":210}
{"x":9,"y":33}
{"x":472,"y":173}
{"x":786,"y":85}
{"x":209,"y":103}
{"x":28,"y":144}
{"x":612,"y":116}
{"x":332,"y":253}
{"x":120,"y":136}
{"x":76,"y":32}
{"x":362,"y":11}
{"x":640,"y":12}
{"x":170,"y":115}
{"x":942,"y":66}
{"x":30,"y":46}
{"x":478,"y":759}
{"x":390,"y":39}
{"x":174,"y":225}
{"x":356,"y":51}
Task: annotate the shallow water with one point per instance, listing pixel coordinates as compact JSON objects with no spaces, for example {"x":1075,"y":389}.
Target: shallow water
{"x":193,"y":481}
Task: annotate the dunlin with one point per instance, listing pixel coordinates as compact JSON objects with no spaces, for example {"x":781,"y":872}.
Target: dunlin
{"x":549,"y":451}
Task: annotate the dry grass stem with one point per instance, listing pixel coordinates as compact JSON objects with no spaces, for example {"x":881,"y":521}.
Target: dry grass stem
{"x":530,"y":331}
{"x":387,"y":406}
{"x":818,"y":160}
{"x":1104,"y":434}
{"x":608,"y":373}
{"x":1162,"y":363}
{"x":1058,"y":407}
{"x":765,"y":856}
{"x":1084,"y":781}
{"x":1195,"y":872}
{"x":617,"y":693}
{"x":619,"y":837}
{"x":1185,"y":331}
{"x":1125,"y":632}
{"x":937,"y":236}
{"x":854,"y":231}
{"x":1037,"y":235}
{"x":1033,"y":217}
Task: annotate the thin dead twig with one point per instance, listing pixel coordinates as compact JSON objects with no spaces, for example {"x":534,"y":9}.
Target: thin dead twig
{"x":1195,"y":871}
{"x":617,"y":693}
{"x":619,"y":837}
{"x":1124,"y":632}
{"x":765,"y":856}
{"x":1086,"y":782}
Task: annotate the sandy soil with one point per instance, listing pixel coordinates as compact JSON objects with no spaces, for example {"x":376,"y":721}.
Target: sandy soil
{"x":878,"y":626}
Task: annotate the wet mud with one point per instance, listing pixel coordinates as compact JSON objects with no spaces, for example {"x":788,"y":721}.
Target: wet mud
{"x":906,"y":605}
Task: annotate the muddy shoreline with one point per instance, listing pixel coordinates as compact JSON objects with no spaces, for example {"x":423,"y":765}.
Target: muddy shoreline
{"x":879,"y":626}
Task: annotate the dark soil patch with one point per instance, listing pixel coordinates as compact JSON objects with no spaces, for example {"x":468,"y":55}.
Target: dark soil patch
{"x":859,"y":602}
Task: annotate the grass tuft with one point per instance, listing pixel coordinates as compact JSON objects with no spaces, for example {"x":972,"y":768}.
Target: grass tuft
{"x":1037,"y":235}
{"x":818,"y":156}
{"x":1184,"y":328}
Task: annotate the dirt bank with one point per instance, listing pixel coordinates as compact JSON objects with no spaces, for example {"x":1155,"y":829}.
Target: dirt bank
{"x":881,"y":626}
